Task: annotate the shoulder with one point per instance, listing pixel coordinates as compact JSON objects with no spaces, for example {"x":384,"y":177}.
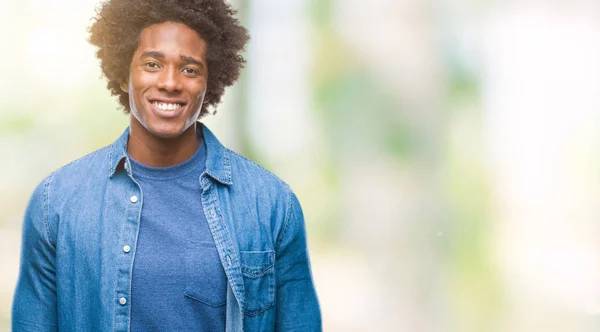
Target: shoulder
{"x":87,"y":167}
{"x":70,"y":180}
{"x":78,"y":176}
{"x":272,"y":198}
{"x":262,"y":186}
{"x":248,"y":172}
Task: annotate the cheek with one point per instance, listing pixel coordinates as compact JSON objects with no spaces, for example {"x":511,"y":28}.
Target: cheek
{"x":142,"y":83}
{"x":136,"y":97}
{"x":200,"y":89}
{"x":141,"y":80}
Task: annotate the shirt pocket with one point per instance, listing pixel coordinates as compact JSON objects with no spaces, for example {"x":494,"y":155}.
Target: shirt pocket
{"x":206,"y":281}
{"x":258,"y":272}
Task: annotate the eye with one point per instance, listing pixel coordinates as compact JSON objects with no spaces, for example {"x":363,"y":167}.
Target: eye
{"x":151,"y":65}
{"x":190,"y":71}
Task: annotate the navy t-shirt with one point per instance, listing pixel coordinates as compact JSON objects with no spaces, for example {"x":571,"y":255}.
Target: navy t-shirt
{"x":178,"y":281}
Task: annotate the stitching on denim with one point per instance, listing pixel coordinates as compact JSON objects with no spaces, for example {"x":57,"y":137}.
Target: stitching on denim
{"x":137,"y":234}
{"x":263,"y":270}
{"x":221,"y":239}
{"x":287,"y":220}
{"x":227,"y":164}
{"x":119,"y":259}
{"x":225,"y":231}
{"x":31,"y":323}
{"x":267,"y":273}
{"x":260,"y":274}
{"x":110,"y":154}
{"x":259,"y":251}
{"x":46,"y":208}
{"x":257,"y":312}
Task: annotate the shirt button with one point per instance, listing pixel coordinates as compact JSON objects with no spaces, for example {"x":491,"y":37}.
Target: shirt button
{"x":123,"y":301}
{"x":126,"y":249}
{"x":133,"y":199}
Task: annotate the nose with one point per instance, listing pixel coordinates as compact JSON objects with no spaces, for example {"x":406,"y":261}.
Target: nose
{"x":169,"y":80}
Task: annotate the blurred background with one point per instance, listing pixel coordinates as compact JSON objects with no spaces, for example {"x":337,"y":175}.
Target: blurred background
{"x":446,"y":153}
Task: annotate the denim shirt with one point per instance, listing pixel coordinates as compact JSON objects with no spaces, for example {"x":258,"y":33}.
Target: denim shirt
{"x":79,"y":242}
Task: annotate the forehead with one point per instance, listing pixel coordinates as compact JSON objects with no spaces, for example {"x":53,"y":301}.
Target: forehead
{"x":170,"y":37}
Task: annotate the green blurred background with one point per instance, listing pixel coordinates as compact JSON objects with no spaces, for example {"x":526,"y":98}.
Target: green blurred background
{"x":445,"y":152}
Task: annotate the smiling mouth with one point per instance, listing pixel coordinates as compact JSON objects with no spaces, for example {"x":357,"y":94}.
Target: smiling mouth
{"x":166,"y":106}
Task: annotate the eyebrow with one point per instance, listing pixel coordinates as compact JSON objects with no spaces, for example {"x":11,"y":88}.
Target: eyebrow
{"x":161,"y":55}
{"x":153,"y":54}
{"x":191,"y":60}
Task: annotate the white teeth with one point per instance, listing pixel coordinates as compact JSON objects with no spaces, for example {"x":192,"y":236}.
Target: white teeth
{"x":166,"y":106}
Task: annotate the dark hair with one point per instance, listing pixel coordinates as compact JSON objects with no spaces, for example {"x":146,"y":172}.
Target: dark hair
{"x":118,"y":24}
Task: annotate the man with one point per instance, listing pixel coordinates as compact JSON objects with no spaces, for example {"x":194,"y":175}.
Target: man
{"x":165,"y":229}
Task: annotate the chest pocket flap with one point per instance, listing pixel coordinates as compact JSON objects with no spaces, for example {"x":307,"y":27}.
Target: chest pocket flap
{"x":258,"y":269}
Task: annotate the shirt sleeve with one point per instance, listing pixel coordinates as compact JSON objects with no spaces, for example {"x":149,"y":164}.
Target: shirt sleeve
{"x":34,"y":304}
{"x":297,"y":306}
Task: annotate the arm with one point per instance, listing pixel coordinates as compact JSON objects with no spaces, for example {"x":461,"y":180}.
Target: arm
{"x":34,"y":304}
{"x":297,"y":307}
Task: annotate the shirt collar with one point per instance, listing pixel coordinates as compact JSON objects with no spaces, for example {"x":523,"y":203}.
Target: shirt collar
{"x":218,"y":164}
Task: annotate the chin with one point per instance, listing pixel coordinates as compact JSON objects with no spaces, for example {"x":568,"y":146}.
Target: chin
{"x":161,"y":129}
{"x":170,"y":131}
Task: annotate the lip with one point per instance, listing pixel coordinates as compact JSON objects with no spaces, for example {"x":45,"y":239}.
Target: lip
{"x":167,"y":114}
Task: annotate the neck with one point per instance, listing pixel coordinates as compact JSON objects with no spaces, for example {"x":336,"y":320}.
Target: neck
{"x":155,"y":151}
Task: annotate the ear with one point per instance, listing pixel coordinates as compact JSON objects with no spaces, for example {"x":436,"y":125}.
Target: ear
{"x":124,"y":84}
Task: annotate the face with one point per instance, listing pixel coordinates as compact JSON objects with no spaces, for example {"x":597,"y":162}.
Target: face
{"x":167,"y":80}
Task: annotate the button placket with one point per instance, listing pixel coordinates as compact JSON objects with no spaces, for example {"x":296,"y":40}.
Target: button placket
{"x":132,"y":203}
